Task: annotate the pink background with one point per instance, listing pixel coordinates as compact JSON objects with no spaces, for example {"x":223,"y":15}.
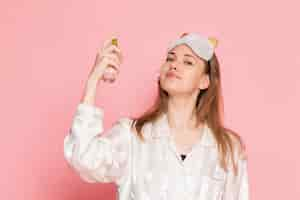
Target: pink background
{"x":48,"y":48}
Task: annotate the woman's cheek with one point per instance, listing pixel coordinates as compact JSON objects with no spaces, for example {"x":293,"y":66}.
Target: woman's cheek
{"x":190,"y":79}
{"x":163,"y":71}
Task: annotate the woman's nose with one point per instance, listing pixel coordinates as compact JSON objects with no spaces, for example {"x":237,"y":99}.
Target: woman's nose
{"x":172,"y":66}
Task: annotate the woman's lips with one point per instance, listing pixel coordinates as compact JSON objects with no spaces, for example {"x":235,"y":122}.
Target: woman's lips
{"x":172,"y":75}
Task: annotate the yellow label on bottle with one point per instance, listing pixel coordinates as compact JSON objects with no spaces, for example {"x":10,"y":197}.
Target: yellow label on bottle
{"x":114,"y":41}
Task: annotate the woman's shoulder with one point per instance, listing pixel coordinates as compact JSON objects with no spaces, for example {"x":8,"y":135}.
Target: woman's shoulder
{"x":127,"y":122}
{"x":124,"y":122}
{"x":130,"y":123}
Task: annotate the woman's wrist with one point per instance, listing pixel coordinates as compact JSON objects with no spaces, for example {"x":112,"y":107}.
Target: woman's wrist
{"x":90,"y":91}
{"x":92,"y":81}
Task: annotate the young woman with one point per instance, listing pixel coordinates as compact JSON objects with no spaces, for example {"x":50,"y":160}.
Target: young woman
{"x":179,"y":148}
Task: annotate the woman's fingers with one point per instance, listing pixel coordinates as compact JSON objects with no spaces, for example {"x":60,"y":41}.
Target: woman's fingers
{"x":112,"y":62}
{"x":112,"y":49}
{"x":113,"y":57}
{"x":108,"y":53}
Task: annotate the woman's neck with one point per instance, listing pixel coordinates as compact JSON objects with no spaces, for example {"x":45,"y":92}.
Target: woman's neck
{"x":181,"y":114}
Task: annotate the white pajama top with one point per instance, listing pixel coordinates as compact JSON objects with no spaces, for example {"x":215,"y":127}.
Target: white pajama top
{"x":151,"y":170}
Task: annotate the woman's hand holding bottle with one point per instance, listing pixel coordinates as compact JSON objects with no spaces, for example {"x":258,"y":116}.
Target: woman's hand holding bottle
{"x":105,"y":68}
{"x":107,"y":62}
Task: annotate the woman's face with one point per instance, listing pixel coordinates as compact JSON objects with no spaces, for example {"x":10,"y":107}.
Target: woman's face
{"x":188,"y":69}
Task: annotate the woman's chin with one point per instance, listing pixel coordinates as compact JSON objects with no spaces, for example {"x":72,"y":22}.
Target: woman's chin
{"x":172,"y":90}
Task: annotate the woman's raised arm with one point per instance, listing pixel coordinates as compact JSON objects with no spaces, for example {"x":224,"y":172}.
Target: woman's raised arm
{"x":96,"y":156}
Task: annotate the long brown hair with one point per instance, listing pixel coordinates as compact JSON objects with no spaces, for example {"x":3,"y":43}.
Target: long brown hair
{"x":209,"y":107}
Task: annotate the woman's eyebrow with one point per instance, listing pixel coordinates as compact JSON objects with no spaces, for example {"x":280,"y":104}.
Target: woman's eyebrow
{"x":188,"y":55}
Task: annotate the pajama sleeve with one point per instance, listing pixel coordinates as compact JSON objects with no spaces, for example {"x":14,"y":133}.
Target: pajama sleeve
{"x":95,"y":156}
{"x":237,"y":187}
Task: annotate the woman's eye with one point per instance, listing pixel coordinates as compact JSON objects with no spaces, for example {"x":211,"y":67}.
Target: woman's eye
{"x":189,"y":63}
{"x":169,"y":59}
